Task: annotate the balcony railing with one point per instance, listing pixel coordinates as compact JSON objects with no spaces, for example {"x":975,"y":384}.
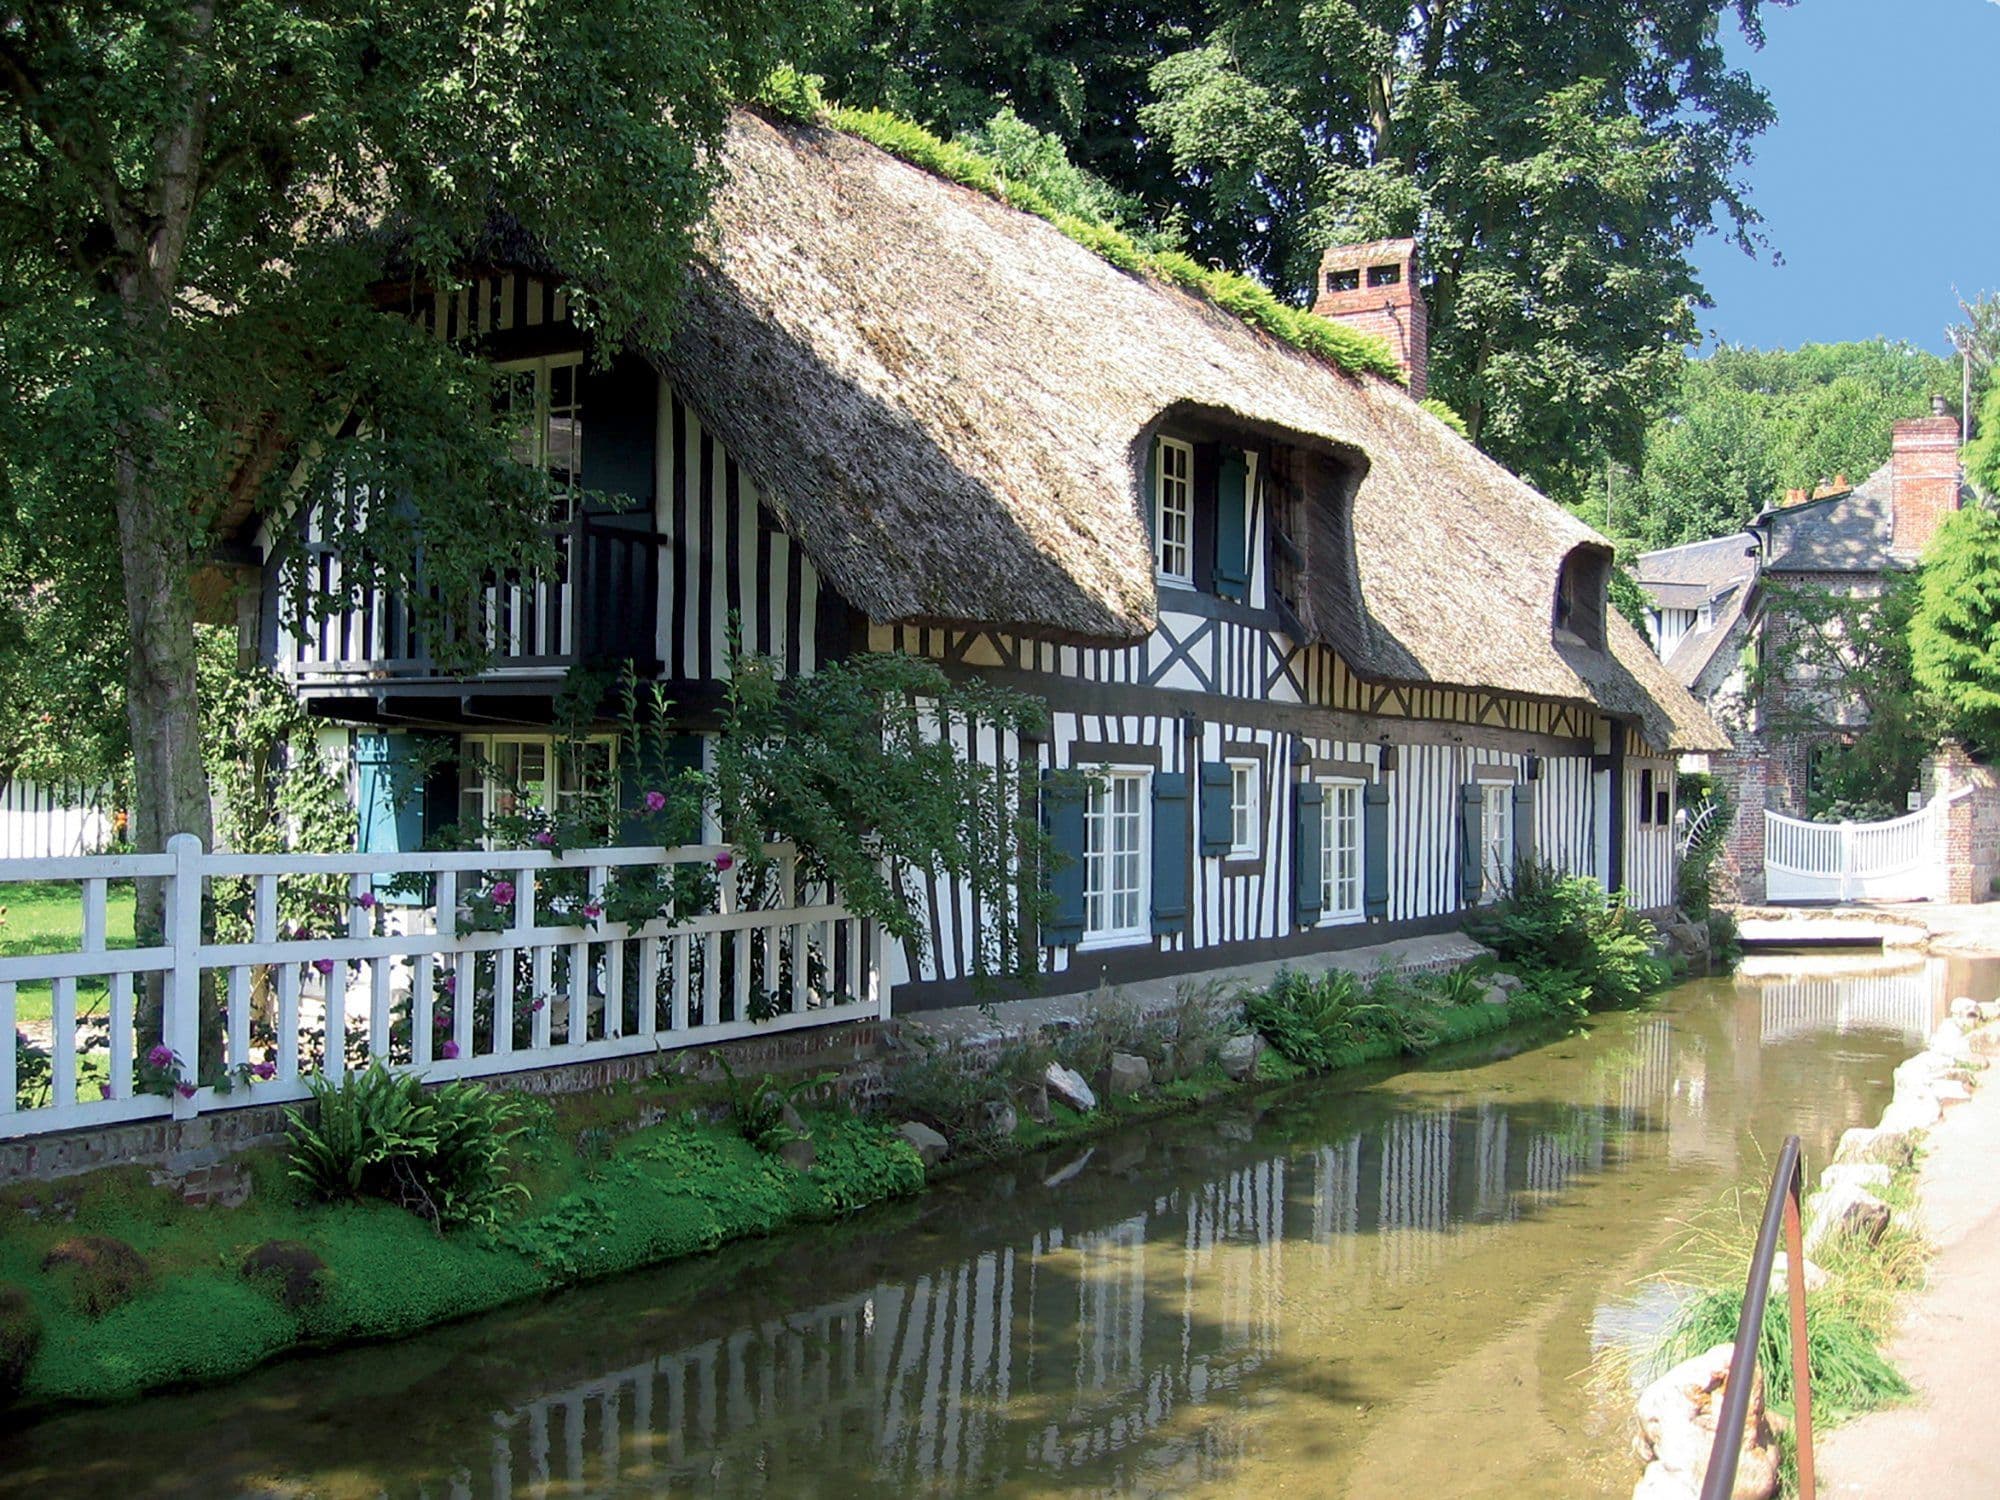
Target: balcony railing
{"x":599,"y":604}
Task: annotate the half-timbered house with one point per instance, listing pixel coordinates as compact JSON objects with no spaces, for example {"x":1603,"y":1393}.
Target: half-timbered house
{"x":1333,"y":670}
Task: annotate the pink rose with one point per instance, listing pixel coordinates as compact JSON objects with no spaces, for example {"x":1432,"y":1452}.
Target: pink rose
{"x":725,"y":860}
{"x":503,"y":893}
{"x":448,"y":982}
{"x":656,"y":802}
{"x":324,"y":965}
{"x":447,"y":1050}
{"x":106,"y":1091}
{"x":592,"y":912}
{"x":160,"y":1057}
{"x":264,"y":1070}
{"x":442,"y":1020}
{"x":545,"y":838}
{"x":366,"y":900}
{"x":538,"y":1005}
{"x":185,"y":1090}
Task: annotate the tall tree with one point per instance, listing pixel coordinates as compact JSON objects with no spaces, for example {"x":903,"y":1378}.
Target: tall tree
{"x":1955,"y":633}
{"x":1742,"y":426}
{"x":196,"y":199}
{"x":1557,"y":159}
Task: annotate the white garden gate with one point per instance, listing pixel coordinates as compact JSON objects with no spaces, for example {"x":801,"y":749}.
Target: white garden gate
{"x":1900,"y":860}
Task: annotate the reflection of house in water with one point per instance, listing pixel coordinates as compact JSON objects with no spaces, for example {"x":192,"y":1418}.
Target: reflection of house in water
{"x":1072,"y":1345}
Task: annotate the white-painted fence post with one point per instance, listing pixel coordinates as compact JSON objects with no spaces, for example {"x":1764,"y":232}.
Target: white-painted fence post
{"x":181,"y":1017}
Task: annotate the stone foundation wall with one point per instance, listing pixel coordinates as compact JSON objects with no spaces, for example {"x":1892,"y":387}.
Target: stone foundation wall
{"x":189,"y":1148}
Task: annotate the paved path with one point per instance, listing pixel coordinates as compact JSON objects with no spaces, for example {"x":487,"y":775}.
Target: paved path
{"x":1941,"y":1446}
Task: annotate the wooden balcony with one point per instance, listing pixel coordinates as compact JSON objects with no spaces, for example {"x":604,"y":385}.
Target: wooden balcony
{"x":598,"y":607}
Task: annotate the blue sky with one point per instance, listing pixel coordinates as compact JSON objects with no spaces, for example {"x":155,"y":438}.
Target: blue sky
{"x":1879,"y":184}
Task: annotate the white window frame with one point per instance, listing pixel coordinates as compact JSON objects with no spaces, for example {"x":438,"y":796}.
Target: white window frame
{"x":1246,"y":811}
{"x":478,"y":800}
{"x":1496,"y":838}
{"x":1173,"y":512}
{"x":542,"y":368}
{"x":1103,"y":821}
{"x":1342,"y":862}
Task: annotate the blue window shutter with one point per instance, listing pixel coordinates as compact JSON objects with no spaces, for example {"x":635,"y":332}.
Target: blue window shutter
{"x":1470,"y":857}
{"x":1306,"y":894}
{"x":1524,"y":822}
{"x":389,"y":802}
{"x":1062,"y":820}
{"x":1216,"y":823}
{"x":1232,"y":559}
{"x":1375,"y":849}
{"x":1170,"y":851}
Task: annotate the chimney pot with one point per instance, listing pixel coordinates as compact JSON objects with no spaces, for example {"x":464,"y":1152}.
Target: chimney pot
{"x":1372,"y":288}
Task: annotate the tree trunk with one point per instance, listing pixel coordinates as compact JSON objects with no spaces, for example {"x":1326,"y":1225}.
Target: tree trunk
{"x":162,"y":706}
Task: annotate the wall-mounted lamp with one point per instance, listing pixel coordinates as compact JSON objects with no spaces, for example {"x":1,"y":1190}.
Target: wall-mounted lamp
{"x":1388,"y":758}
{"x":1534,"y":768}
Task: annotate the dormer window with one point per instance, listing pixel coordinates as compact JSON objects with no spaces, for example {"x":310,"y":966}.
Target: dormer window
{"x":1581,"y":595}
{"x":1173,"y":512}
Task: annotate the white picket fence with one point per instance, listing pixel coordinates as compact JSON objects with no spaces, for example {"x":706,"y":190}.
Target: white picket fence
{"x":39,"y":821}
{"x":516,"y":960}
{"x":1900,"y":860}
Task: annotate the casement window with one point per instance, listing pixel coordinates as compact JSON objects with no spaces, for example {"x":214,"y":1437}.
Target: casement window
{"x":1340,"y":851}
{"x":509,"y":775}
{"x":1245,"y":822}
{"x":545,"y":398}
{"x":1116,"y":862}
{"x":1645,"y":796}
{"x":1173,"y":512}
{"x":1496,"y":838}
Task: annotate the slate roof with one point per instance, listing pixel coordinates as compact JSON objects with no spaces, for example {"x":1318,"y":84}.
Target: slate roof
{"x":1843,"y":533}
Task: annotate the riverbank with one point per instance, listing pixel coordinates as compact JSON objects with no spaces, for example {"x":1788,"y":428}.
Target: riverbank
{"x":112,"y":1286}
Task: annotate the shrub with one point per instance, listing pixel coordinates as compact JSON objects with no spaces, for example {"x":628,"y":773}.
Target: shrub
{"x":1318,"y":1021}
{"x":290,"y":1269}
{"x":20,"y":1339}
{"x":1566,"y":924}
{"x":100,"y":1273}
{"x":439,"y":1153}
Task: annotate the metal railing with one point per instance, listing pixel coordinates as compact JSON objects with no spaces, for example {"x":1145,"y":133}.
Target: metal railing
{"x":1781,"y":1211}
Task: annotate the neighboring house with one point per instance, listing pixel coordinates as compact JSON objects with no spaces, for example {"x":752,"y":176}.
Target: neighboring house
{"x":1333,"y":669}
{"x":1716,"y":612}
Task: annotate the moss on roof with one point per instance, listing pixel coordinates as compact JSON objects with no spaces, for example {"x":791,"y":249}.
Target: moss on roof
{"x":797,"y":96}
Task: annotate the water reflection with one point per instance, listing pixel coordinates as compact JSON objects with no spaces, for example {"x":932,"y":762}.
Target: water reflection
{"x":1221,"y":1305}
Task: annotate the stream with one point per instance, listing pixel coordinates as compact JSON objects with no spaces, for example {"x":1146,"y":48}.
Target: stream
{"x":1381,"y":1284}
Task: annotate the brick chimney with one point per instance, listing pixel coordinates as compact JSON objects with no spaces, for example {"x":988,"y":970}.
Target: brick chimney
{"x":1923,"y":478}
{"x":1373,"y":288}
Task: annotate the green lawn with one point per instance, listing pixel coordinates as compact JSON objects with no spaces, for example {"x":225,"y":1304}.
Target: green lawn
{"x":47,"y":917}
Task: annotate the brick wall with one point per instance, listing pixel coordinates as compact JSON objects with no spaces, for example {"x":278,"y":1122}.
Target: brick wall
{"x":189,"y":1149}
{"x":1972,"y":822}
{"x":1743,"y":777}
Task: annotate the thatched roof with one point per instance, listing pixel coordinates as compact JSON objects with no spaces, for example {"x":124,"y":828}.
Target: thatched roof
{"x":948,"y":401}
